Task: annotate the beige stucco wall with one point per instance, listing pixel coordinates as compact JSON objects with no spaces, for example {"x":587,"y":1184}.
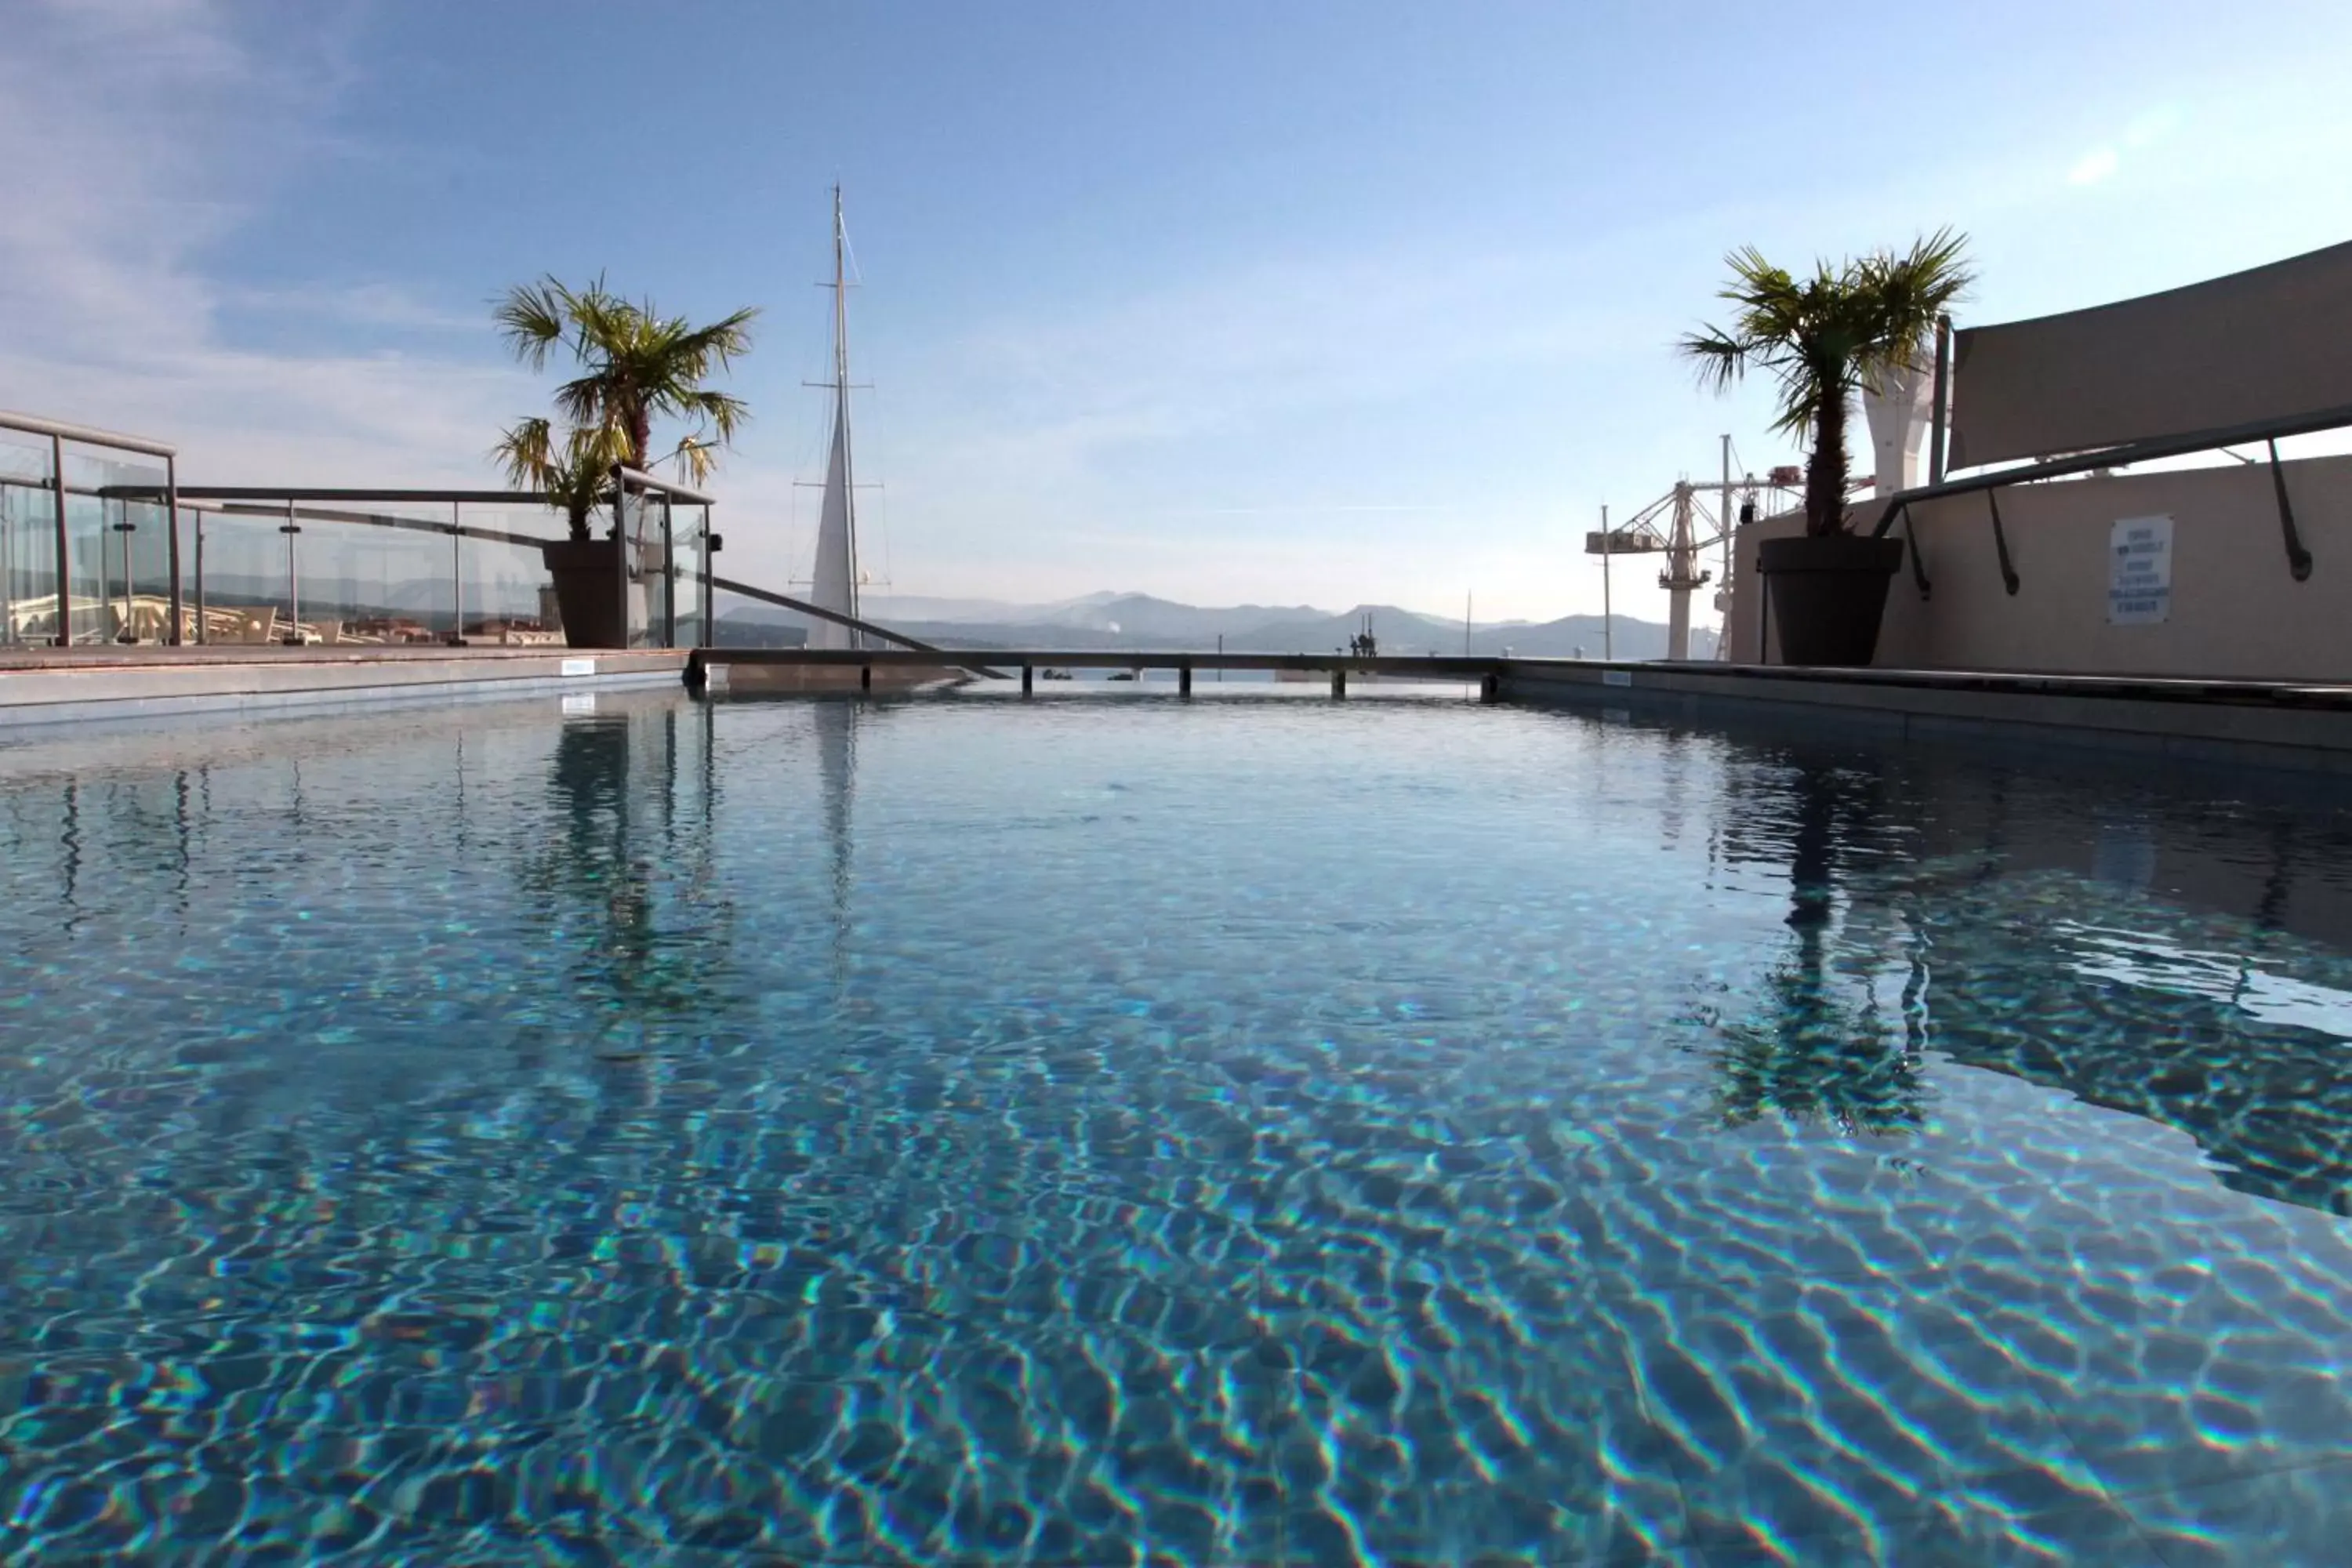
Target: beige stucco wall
{"x":2236,"y":612}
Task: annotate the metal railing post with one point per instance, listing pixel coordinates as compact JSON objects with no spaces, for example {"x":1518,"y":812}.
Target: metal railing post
{"x":293,"y":638}
{"x":105,"y":568}
{"x":7,"y":572}
{"x":57,"y":496}
{"x":196,"y":526}
{"x":669,"y":580}
{"x":621,"y":553}
{"x":1941,"y":405}
{"x":457,"y":577}
{"x":174,"y":636}
{"x":126,"y":528}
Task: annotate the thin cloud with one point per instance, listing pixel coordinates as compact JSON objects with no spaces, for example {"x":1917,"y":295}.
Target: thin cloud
{"x":2152,"y":127}
{"x":2097,"y":165}
{"x":2104,"y":161}
{"x":113,"y":317}
{"x":358,"y":305}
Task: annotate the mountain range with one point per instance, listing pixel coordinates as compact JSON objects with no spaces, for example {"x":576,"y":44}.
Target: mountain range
{"x":1111,"y":620}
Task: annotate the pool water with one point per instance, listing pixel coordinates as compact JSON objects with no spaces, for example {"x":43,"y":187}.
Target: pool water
{"x":1102,"y":1131}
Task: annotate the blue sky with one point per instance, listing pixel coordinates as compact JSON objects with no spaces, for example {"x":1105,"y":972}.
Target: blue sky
{"x":1303,"y":303}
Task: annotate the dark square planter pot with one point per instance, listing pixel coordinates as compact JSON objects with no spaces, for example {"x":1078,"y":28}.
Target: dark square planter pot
{"x":1827,"y":594}
{"x":587,"y":573}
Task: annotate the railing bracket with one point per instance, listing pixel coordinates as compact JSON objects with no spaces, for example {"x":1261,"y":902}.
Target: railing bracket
{"x":2000,"y":545}
{"x":2298,"y":559}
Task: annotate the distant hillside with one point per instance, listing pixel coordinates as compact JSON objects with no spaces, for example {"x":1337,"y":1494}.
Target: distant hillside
{"x":957,"y":633}
{"x":1402,"y":631}
{"x":1141,"y":621}
{"x":890,"y":608}
{"x":1564,"y":638}
{"x":1134,"y":615}
{"x":759,"y":625}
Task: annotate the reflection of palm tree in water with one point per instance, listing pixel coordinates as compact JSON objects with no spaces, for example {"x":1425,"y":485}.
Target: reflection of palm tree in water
{"x":1815,"y":1054}
{"x":600,"y":872}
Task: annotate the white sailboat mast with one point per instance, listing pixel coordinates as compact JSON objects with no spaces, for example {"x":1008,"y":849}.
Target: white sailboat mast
{"x":841,"y":387}
{"x":835,"y":581}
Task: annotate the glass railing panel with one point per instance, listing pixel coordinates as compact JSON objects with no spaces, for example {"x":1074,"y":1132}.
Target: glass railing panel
{"x":246,"y":597}
{"x":90,"y":468}
{"x":190,"y":622}
{"x":28,"y":566}
{"x":641,"y":527}
{"x":23,"y":459}
{"x":662,"y":600}
{"x":688,"y":529}
{"x":135,"y":569}
{"x":510,"y":596}
{"x":378,"y":585}
{"x":89,"y":555}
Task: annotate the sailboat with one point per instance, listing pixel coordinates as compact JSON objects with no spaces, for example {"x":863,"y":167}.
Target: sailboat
{"x":835,"y":581}
{"x":833,"y":585}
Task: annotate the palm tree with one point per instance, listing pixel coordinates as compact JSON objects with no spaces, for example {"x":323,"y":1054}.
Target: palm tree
{"x":636,"y":365}
{"x":573,"y":475}
{"x":1826,"y":338}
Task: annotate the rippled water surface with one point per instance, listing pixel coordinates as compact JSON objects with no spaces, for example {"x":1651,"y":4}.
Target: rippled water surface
{"x":1101,"y":1132}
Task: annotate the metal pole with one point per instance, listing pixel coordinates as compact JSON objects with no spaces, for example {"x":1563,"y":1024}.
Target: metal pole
{"x":204,"y":629}
{"x":457,"y":575}
{"x":1942,"y":400}
{"x":669,"y":581}
{"x":57,"y":495}
{"x":293,"y":638}
{"x":7,"y":573}
{"x":176,"y":637}
{"x":1723,"y":577}
{"x":105,"y":570}
{"x":709,"y":632}
{"x":126,"y":528}
{"x":621,"y":553}
{"x":1608,"y":627}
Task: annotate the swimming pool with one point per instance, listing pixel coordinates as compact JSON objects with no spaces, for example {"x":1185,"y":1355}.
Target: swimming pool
{"x":1099,"y":1132}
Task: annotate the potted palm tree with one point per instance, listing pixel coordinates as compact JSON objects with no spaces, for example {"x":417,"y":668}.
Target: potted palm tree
{"x":575,"y":475}
{"x":1823,"y":340}
{"x":635,"y":367}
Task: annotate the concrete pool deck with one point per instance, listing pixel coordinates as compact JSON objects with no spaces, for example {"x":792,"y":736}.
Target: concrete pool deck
{"x":66,"y":684}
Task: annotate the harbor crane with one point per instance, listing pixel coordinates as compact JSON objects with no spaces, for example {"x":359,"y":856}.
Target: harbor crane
{"x":1677,"y":526}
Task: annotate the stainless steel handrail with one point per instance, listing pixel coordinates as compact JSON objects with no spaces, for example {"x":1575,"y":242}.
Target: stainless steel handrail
{"x":85,"y":435}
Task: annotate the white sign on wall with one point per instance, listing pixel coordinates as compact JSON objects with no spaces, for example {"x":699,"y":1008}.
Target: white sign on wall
{"x":2140,"y":572}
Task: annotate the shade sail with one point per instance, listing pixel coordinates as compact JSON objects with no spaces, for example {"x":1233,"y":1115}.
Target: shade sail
{"x":2270,"y":343}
